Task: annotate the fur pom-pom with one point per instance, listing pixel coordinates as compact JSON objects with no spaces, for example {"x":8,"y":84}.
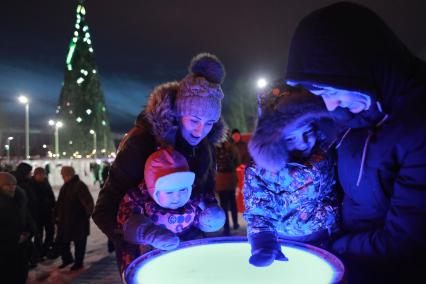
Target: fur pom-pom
{"x":208,"y":66}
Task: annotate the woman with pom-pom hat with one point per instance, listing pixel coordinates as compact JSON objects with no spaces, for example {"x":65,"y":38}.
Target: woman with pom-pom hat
{"x":184,"y":115}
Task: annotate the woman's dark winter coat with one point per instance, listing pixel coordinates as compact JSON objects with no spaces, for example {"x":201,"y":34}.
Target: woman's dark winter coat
{"x":157,"y":125}
{"x":73,"y":210}
{"x":347,"y":46}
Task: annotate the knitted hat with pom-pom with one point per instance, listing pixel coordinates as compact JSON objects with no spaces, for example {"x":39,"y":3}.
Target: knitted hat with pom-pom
{"x":199,"y":93}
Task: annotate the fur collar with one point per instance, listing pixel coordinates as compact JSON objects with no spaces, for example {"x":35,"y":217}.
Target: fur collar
{"x":161,"y":115}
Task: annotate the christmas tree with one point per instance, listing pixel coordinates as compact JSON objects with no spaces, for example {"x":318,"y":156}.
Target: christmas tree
{"x":81,"y":109}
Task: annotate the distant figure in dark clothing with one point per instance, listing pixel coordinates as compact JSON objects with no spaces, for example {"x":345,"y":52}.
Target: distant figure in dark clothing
{"x":16,"y":227}
{"x":244,"y":160}
{"x":104,"y":173}
{"x":241,"y":146}
{"x":73,"y":210}
{"x":227,"y":159}
{"x":95,"y":169}
{"x":23,"y":177}
{"x":46,"y":206}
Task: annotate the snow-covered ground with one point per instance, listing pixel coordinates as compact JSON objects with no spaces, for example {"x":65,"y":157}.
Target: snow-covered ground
{"x":48,"y":272}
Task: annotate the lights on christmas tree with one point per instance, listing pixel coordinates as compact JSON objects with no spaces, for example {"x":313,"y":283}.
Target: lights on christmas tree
{"x":78,"y":83}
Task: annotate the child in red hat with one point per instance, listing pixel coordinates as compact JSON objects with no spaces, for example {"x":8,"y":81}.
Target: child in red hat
{"x":160,"y":212}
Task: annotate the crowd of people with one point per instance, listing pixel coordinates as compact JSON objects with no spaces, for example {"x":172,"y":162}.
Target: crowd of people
{"x":35,"y":226}
{"x":337,"y":160}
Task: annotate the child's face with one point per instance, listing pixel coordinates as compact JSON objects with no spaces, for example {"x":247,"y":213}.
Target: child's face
{"x":300,"y":140}
{"x":173,"y":199}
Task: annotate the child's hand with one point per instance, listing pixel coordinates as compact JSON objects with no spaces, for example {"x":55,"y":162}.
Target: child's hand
{"x":265,"y":257}
{"x":161,"y":238}
{"x":140,"y":229}
{"x":265,"y":249}
{"x":211,"y":219}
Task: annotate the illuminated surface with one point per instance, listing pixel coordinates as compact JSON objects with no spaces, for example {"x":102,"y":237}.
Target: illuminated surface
{"x":227,"y":262}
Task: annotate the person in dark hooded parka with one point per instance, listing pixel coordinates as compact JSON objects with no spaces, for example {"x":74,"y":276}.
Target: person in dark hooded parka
{"x":376,"y":88}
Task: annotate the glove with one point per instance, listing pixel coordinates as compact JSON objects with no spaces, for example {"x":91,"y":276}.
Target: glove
{"x":265,"y":249}
{"x":211,"y":219}
{"x":161,"y":238}
{"x":140,"y":230}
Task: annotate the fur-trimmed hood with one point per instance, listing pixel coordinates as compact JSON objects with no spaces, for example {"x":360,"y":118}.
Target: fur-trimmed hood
{"x":161,"y":115}
{"x":283,"y":108}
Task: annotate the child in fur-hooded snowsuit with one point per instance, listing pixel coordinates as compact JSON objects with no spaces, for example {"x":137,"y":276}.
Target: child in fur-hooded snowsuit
{"x":289,"y":190}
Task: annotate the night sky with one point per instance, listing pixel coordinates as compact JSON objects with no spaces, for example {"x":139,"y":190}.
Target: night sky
{"x":139,"y":44}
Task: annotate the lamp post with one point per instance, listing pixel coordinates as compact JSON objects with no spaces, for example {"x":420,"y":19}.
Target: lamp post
{"x":261,"y":83}
{"x":57,"y":124}
{"x":93,"y":132}
{"x":8,"y":148}
{"x":24,"y":100}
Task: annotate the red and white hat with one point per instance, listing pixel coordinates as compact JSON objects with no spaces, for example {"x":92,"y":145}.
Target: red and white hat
{"x":167,"y":169}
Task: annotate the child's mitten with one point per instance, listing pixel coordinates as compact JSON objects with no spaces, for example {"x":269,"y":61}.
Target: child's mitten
{"x":265,"y":249}
{"x":211,"y":219}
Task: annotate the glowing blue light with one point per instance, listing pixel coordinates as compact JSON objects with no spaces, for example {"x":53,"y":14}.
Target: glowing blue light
{"x":231,"y":259}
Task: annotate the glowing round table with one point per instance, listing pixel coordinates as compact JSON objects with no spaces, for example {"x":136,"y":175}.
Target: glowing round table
{"x":225,"y":261}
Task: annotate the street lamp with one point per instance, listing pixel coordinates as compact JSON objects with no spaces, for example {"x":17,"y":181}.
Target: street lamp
{"x":24,"y":100}
{"x":93,"y":132}
{"x":261,"y":83}
{"x":8,"y":148}
{"x":57,"y":124}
